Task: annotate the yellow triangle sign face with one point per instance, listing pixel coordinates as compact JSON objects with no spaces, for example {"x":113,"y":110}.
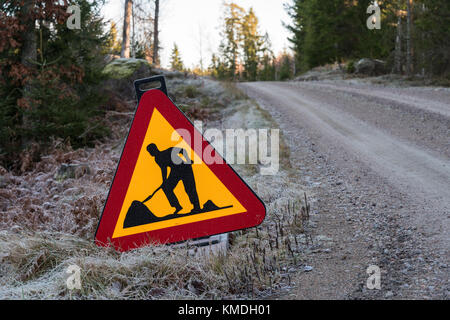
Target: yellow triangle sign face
{"x":164,"y":191}
{"x":147,"y":177}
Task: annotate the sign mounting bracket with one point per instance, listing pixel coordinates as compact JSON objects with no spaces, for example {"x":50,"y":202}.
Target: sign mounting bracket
{"x":155,"y":79}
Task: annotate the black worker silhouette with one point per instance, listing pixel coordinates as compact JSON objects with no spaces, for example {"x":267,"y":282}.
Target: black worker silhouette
{"x":180,"y":170}
{"x":180,"y":165}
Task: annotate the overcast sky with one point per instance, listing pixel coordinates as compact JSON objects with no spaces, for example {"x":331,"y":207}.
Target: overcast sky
{"x":185,"y":22}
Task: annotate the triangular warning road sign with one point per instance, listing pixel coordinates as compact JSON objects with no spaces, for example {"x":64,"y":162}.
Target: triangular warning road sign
{"x":163,"y":191}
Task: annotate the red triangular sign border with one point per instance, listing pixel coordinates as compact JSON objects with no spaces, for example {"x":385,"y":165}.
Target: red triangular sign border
{"x":255,"y":209}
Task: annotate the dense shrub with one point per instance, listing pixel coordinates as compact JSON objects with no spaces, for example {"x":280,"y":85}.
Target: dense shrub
{"x":49,"y":90}
{"x":351,"y":66}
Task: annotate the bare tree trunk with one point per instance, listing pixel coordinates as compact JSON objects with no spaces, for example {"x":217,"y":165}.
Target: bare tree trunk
{"x":398,"y":45}
{"x":409,"y":53}
{"x":28,"y":53}
{"x":133,"y":36}
{"x":200,"y":46}
{"x":156,"y":35}
{"x":125,"y":53}
{"x":29,"y":35}
{"x":423,"y":40}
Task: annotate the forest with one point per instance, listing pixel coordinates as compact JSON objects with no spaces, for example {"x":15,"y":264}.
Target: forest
{"x":413,"y":35}
{"x":51,"y":76}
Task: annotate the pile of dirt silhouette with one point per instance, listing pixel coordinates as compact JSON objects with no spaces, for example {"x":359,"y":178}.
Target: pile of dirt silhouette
{"x":138,"y":214}
{"x":210,"y":206}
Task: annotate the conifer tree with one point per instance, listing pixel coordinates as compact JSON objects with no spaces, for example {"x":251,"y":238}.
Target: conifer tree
{"x":175,"y":59}
{"x":251,"y":45}
{"x":48,"y":86}
{"x":114,"y":43}
{"x":267,"y":68}
{"x":285,"y":68}
{"x":230,"y":45}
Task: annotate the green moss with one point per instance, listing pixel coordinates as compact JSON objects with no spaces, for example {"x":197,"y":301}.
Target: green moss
{"x":123,"y":68}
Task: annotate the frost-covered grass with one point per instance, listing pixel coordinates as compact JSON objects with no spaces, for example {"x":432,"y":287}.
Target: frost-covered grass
{"x":47,"y":222}
{"x":33,"y":266}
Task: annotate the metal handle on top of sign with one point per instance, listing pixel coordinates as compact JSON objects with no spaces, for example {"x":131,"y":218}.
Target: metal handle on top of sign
{"x":138,"y":83}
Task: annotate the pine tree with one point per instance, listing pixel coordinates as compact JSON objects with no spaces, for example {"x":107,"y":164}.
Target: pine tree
{"x":335,"y":31}
{"x":252,"y":45}
{"x":296,"y":12}
{"x":285,"y":68}
{"x":267,"y":71}
{"x":52,"y":90}
{"x":413,"y":34}
{"x":218,"y":69}
{"x":431,"y":37}
{"x":212,"y":68}
{"x":267,"y":68}
{"x":229,"y":48}
{"x":113,"y":43}
{"x":242,"y":46}
{"x":175,"y":59}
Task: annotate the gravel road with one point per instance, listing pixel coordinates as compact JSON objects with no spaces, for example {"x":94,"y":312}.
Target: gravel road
{"x":376,"y":160}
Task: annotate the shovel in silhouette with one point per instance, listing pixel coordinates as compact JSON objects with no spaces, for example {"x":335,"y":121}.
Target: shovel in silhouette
{"x":151,"y":196}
